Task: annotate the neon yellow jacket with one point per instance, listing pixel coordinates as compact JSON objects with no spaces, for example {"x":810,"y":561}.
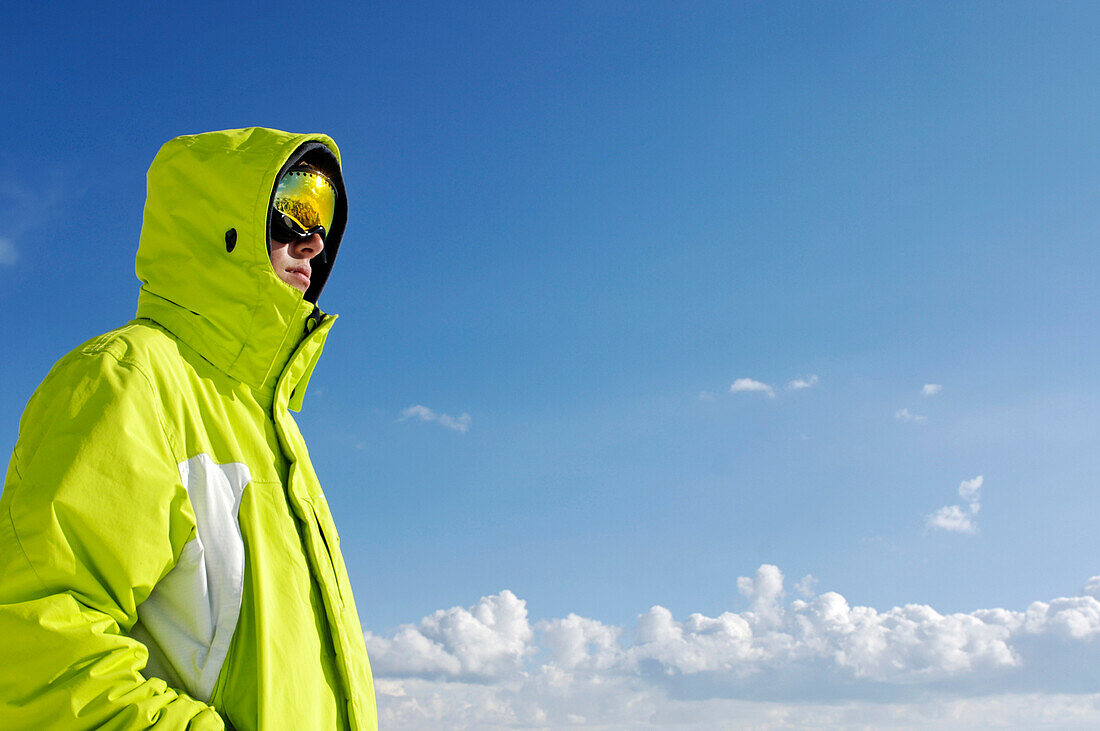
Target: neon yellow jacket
{"x":167,"y":559}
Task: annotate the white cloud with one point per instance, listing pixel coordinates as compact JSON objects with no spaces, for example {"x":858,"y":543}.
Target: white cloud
{"x":423,"y":413}
{"x":416,"y":705}
{"x":459,"y":423}
{"x":576,"y":642}
{"x":904,"y":415}
{"x":971,"y":490}
{"x":800,"y":383}
{"x":956,"y":518}
{"x":769,"y":666}
{"x":486,"y":641}
{"x":8,"y":255}
{"x":805,"y":586}
{"x":765,"y":589}
{"x":1072,"y":618}
{"x":1092,"y":588}
{"x":751,"y":385}
{"x":742,"y":385}
{"x":951,"y":518}
{"x":931,"y":389}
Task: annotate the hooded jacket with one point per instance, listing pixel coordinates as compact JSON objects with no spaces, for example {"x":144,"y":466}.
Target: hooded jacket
{"x":167,"y":558}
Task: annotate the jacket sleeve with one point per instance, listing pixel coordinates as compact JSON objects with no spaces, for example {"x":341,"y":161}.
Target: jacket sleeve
{"x":93,"y":514}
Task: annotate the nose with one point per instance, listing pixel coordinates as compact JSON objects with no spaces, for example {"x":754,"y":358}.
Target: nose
{"x":309,"y":248}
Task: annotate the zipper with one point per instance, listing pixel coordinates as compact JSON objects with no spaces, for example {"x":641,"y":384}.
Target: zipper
{"x":315,"y":318}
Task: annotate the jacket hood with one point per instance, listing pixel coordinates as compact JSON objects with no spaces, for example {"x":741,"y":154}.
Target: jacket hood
{"x":203,"y":257}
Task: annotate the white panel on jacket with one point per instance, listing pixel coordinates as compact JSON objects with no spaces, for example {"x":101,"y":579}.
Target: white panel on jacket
{"x":189,"y":619}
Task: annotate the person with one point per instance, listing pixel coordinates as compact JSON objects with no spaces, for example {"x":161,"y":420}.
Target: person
{"x":167,"y":557}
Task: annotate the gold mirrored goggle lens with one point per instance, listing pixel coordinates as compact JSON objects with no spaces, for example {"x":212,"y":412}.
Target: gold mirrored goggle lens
{"x":308,"y":198}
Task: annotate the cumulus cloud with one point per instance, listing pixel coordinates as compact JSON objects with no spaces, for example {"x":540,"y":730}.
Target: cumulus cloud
{"x":412,"y":704}
{"x":904,"y":415}
{"x":486,"y":641}
{"x":487,"y":666}
{"x":744,"y":385}
{"x":931,"y":389}
{"x":805,"y":586}
{"x":765,"y":589}
{"x":423,"y":413}
{"x":799,"y":383}
{"x":957,"y":518}
{"x":577,"y":642}
{"x":1092,"y":588}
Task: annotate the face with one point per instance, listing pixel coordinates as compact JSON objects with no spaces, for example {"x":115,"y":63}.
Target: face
{"x":292,"y":261}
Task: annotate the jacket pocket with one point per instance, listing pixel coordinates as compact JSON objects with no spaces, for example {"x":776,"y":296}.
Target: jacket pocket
{"x":330,"y":542}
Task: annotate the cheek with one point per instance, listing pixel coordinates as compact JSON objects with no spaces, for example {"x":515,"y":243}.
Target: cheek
{"x":276,"y":252}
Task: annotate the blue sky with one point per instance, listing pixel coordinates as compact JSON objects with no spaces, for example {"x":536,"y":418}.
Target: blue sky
{"x":574,"y":227}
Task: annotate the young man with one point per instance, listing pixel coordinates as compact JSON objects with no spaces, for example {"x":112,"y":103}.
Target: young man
{"x":167,"y":558}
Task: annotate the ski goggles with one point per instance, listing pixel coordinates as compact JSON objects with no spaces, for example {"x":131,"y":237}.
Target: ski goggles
{"x":305,"y":204}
